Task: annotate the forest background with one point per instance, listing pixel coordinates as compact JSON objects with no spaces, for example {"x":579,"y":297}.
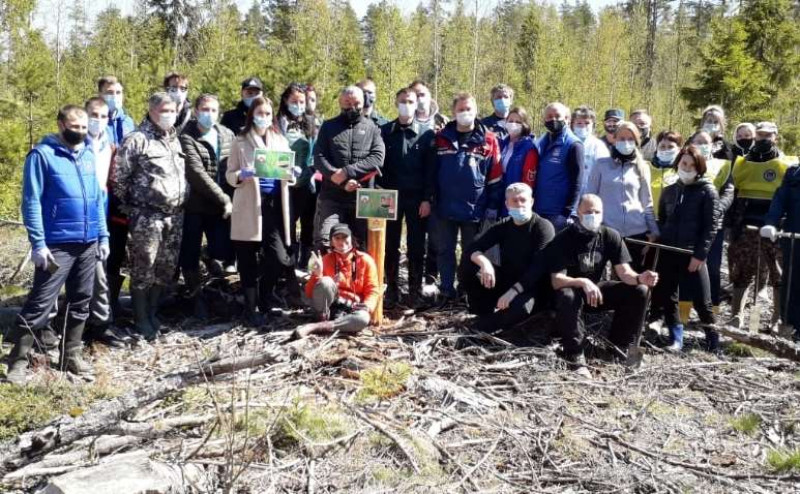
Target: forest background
{"x":672,"y":57}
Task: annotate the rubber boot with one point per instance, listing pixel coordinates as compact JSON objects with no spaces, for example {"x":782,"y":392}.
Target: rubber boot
{"x":141,"y":313}
{"x":194,"y":285}
{"x":676,"y":338}
{"x":50,"y":345}
{"x":73,"y":349}
{"x":684,"y":311}
{"x":712,"y":340}
{"x":737,"y":307}
{"x":153,"y":302}
{"x":114,"y":288}
{"x":18,"y":358}
{"x":251,"y":316}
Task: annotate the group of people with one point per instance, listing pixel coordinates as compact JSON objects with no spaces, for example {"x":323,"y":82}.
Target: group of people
{"x":536,"y":219}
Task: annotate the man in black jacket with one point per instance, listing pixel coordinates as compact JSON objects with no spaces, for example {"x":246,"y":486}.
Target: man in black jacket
{"x":234,"y":119}
{"x":514,"y":285}
{"x":206,"y":145}
{"x":409,"y":168}
{"x":348,"y":152}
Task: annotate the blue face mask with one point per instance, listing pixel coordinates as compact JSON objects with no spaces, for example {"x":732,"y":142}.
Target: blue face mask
{"x":520,"y":215}
{"x":502,"y":104}
{"x":206,"y":119}
{"x":248,"y":101}
{"x":260,"y":122}
{"x":296,"y":110}
{"x":581,"y":132}
{"x":113,"y":102}
{"x":625,"y":148}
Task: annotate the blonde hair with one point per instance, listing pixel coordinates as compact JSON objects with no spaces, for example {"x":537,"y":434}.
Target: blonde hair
{"x":642,"y":167}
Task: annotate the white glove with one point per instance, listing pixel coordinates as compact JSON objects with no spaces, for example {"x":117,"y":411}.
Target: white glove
{"x":770,"y":232}
{"x":42,"y":258}
{"x":228,"y":210}
{"x":103,"y":250}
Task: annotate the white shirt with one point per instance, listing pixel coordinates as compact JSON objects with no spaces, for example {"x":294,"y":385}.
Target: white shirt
{"x":102,"y":154}
{"x":593,"y":150}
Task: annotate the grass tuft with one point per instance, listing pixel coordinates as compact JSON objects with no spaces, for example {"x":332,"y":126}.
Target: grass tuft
{"x":746,"y":424}
{"x":383,"y":382}
{"x":783,"y":460}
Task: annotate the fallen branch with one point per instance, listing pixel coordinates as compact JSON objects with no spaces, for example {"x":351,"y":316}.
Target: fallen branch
{"x":778,"y":346}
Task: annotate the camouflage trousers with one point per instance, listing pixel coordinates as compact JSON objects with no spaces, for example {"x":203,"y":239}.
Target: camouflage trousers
{"x":743,"y":260}
{"x":155,"y":242}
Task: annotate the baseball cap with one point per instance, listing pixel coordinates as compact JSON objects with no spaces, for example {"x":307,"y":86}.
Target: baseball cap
{"x":253,"y":82}
{"x":615,"y":113}
{"x":341,"y":229}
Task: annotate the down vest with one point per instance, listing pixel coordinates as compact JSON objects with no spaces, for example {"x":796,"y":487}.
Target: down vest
{"x":687,"y":216}
{"x":205,"y":170}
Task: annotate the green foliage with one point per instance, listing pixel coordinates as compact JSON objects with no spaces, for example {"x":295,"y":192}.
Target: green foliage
{"x":384,"y":382}
{"x":783,"y":460}
{"x":305,"y":421}
{"x":746,"y":424}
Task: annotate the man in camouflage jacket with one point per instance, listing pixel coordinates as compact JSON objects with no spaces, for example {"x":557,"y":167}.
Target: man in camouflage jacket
{"x":151,"y":184}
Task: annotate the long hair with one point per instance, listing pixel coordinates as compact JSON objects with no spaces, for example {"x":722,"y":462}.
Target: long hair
{"x":248,"y":122}
{"x":283,"y":108}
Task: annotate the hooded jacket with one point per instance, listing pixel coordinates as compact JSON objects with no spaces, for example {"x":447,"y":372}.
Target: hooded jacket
{"x":61,"y":198}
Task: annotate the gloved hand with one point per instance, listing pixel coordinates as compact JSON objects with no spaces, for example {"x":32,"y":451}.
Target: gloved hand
{"x":228,"y":210}
{"x":246,"y":173}
{"x":43,"y":258}
{"x":770,"y":232}
{"x":103,"y":250}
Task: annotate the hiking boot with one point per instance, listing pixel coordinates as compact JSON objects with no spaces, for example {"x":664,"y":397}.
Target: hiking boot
{"x":17,"y":372}
{"x":74,"y":363}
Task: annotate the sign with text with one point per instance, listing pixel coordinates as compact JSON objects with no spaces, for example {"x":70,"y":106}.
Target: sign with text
{"x":376,"y":203}
{"x":278,"y":165}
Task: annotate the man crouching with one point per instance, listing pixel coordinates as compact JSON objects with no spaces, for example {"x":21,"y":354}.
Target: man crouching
{"x":343,"y":287}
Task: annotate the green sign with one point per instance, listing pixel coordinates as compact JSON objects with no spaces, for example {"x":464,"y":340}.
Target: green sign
{"x":278,"y":165}
{"x":376,"y":203}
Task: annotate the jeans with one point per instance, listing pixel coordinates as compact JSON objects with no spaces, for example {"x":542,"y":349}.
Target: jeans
{"x":447,"y":232}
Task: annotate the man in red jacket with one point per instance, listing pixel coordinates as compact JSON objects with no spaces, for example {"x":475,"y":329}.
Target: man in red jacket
{"x":343,"y":287}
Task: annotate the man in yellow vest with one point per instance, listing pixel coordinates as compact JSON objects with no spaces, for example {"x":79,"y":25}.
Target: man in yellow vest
{"x":755,"y":176}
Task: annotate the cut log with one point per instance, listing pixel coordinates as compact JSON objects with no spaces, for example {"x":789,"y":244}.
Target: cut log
{"x":777,"y":346}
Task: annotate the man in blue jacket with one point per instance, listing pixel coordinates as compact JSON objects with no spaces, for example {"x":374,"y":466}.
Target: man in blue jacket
{"x":468,"y":184}
{"x":63,"y":211}
{"x":502,"y":100}
{"x":560,"y":172}
{"x":409,"y":167}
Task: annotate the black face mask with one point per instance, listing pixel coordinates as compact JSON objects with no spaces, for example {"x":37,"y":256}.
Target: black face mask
{"x":351,"y":114}
{"x":369,"y":100}
{"x":762,"y":146}
{"x":555,"y":126}
{"x":745,"y":144}
{"x":72,"y":137}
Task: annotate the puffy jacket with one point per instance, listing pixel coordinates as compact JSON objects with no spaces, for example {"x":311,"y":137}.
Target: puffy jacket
{"x":786,"y":203}
{"x":410,"y":163}
{"x":234,"y":119}
{"x":521,"y":166}
{"x":687,"y":216}
{"x":61,"y":198}
{"x":355,"y":147}
{"x":203,"y":168}
{"x":119,"y":126}
{"x":468,"y":176}
{"x":150,"y":171}
{"x":560,"y":176}
{"x":357,"y":277}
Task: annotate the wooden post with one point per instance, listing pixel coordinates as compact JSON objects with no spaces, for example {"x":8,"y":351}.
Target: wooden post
{"x":287,"y":217}
{"x":376,"y":248}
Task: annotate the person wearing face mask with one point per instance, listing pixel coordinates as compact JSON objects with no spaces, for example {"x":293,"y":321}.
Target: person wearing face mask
{"x":623,"y":183}
{"x":502,"y":99}
{"x":151,"y":185}
{"x":512,"y":286}
{"x":349,"y":151}
{"x":611,"y":120}
{"x":577,"y":259}
{"x":177,"y":86}
{"x":409,"y":168}
{"x":370,"y":96}
{"x":207,"y":146}
{"x":257,"y":220}
{"x":560,"y":172}
{"x":582,"y":125}
{"x":688,"y":220}
{"x":427,"y":115}
{"x":662,"y":167}
{"x":744,"y":138}
{"x":755,"y":177}
{"x":713,"y":122}
{"x":312,"y":114}
{"x":119,"y":123}
{"x":468,"y":186}
{"x":234,"y":119}
{"x":644,"y":122}
{"x":64,"y":213}
{"x":343,"y":287}
{"x":298,"y":129}
{"x":519,"y":155}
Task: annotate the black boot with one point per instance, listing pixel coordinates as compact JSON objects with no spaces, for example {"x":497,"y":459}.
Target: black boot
{"x":73,"y":349}
{"x":141,"y":314}
{"x":105,"y":335}
{"x":153,"y":302}
{"x":18,"y":358}
{"x":194,"y":285}
{"x":294,"y":296}
{"x":114,"y":288}
{"x":51,"y":345}
{"x":251,"y":316}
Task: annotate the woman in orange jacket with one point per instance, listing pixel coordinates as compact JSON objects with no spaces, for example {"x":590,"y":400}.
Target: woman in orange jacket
{"x":343,"y":287}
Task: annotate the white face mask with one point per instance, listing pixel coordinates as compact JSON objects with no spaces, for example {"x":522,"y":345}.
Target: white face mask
{"x":406,"y":109}
{"x":166,"y":121}
{"x":465,"y":118}
{"x":423,"y":104}
{"x":667,"y":156}
{"x":95,"y":127}
{"x":592,"y":221}
{"x":581,"y":132}
{"x":705,"y":150}
{"x":514,"y":129}
{"x":687,"y":177}
{"x":625,"y":148}
{"x":712,"y":128}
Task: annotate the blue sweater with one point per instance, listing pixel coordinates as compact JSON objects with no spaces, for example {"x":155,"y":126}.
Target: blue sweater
{"x":61,"y":198}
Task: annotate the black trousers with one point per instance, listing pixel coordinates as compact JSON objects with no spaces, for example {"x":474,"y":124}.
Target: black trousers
{"x":304,"y":208}
{"x":627,"y":301}
{"x":672,"y":270}
{"x":482,"y":301}
{"x":638,"y":260}
{"x":408,"y":211}
{"x":117,"y":242}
